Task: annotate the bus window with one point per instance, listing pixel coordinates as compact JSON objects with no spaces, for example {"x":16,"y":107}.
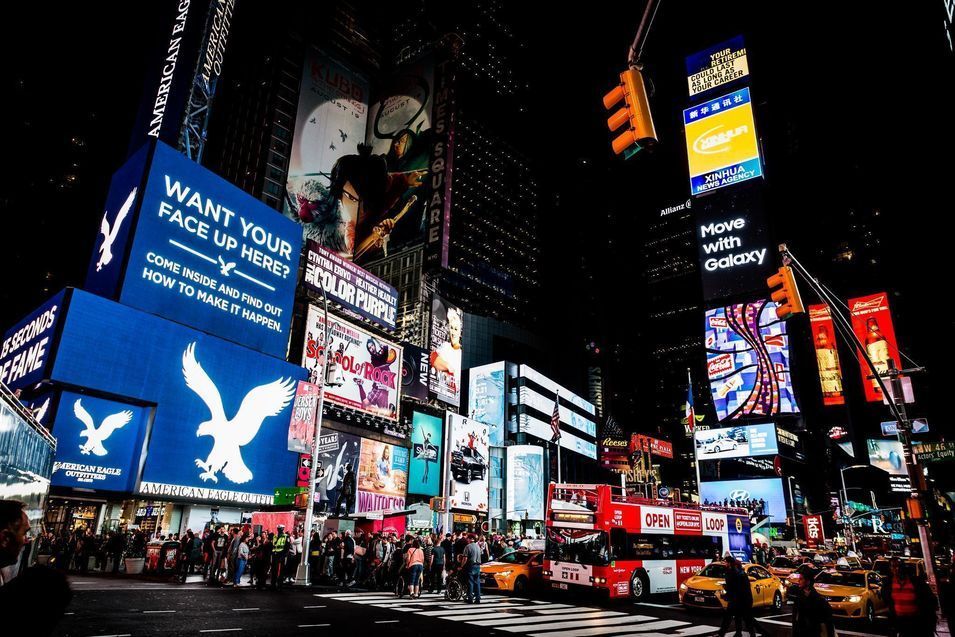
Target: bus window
{"x":581,"y":546}
{"x":668,"y":547}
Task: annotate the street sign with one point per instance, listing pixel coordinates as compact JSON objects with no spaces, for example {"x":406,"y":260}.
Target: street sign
{"x":286,"y":495}
{"x":891,"y":427}
{"x":929,"y":452}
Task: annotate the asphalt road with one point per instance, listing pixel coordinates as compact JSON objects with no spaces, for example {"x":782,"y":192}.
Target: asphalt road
{"x":128,"y":607}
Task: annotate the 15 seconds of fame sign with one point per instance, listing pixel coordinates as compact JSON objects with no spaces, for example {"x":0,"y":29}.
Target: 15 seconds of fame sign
{"x":735,"y":251}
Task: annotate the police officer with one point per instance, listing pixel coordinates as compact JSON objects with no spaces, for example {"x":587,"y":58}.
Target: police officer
{"x":279,"y":554}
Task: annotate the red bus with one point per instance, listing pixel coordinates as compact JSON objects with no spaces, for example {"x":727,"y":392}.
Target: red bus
{"x":599,"y":537}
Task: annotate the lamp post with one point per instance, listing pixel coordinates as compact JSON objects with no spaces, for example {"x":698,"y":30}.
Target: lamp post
{"x":302,"y":573}
{"x":845,"y":501}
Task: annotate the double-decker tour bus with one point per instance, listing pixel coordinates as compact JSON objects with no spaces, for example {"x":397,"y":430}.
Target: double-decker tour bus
{"x":599,"y":537}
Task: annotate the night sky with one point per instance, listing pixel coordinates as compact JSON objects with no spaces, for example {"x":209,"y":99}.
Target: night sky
{"x":853,"y":105}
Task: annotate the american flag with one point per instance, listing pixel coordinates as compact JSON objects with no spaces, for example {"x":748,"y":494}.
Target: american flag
{"x":555,"y":420}
{"x":690,"y":412}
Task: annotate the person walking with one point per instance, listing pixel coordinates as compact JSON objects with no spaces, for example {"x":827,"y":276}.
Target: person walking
{"x":436,"y":569}
{"x":913,"y":607}
{"x":241,"y":559}
{"x":220,"y":545}
{"x":279,"y":555}
{"x":739,"y":599}
{"x":812,"y":615}
{"x":414,"y":565}
{"x":348,"y":559}
{"x":470,"y":560}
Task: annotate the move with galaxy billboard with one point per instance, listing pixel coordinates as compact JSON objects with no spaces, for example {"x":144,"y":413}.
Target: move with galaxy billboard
{"x":747,"y":359}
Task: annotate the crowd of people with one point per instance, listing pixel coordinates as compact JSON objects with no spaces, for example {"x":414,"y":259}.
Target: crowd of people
{"x":756,"y":507}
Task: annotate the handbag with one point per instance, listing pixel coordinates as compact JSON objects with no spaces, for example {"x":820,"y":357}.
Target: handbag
{"x":360,"y":551}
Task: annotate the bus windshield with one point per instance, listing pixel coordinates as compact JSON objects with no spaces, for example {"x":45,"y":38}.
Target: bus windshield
{"x":582,"y":546}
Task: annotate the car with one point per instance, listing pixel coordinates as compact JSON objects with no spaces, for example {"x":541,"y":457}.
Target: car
{"x":516,"y":571}
{"x":705,"y":589}
{"x":807,"y":569}
{"x":784,"y":566}
{"x":467,"y":464}
{"x":855,"y":594}
{"x":915,"y":565}
{"x":719,"y":445}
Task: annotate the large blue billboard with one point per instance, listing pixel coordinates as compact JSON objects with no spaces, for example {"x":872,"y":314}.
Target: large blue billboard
{"x":427,"y":436}
{"x":486,"y":399}
{"x":28,"y":346}
{"x":220,"y":428}
{"x":766,"y":492}
{"x":203,"y":252}
{"x":98,"y":443}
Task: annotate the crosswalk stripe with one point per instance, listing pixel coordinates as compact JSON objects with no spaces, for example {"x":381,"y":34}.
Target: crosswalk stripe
{"x":604,"y":630}
{"x":475,"y":619}
{"x":700,"y":629}
{"x":468,"y":609}
{"x":612,"y":622}
{"x":550,"y":618}
{"x":561,"y":608}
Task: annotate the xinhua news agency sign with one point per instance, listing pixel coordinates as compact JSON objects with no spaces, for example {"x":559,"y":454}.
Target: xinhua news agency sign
{"x":721,"y":142}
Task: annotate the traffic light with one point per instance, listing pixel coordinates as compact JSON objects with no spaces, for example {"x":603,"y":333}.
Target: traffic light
{"x":787,"y":296}
{"x":634,"y":114}
{"x":914,"y":509}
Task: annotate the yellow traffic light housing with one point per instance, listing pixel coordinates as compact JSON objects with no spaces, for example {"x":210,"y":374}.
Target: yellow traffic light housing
{"x":787,"y":295}
{"x":634,"y":115}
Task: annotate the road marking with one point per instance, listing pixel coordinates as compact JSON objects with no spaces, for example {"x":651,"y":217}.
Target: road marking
{"x":683,"y":632}
{"x":69,"y":613}
{"x":314,"y":606}
{"x":159,"y":611}
{"x":238,"y":609}
{"x":651,"y":605}
{"x":590,"y":632}
{"x":219,"y":630}
{"x":552,"y":611}
{"x":387,"y":621}
{"x":312,"y":625}
{"x":554,"y":618}
{"x":469,"y":609}
{"x":601,"y":626}
{"x":774,"y":616}
{"x":122,"y":635}
{"x":479,"y":616}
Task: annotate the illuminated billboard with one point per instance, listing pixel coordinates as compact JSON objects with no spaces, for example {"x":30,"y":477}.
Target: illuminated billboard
{"x":427,"y":445}
{"x":337,"y":452}
{"x":321,"y":191}
{"x":887,"y":455}
{"x":200,"y":252}
{"x":721,"y":143}
{"x":364,"y":370}
{"x":468,"y":464}
{"x":220,"y":430}
{"x":28,"y":346}
{"x":99,"y":443}
{"x":382,"y":476}
{"x":444,"y":376}
{"x":414,"y":372}
{"x":827,"y":354}
{"x":486,"y":399}
{"x":718,"y":65}
{"x":872,"y":324}
{"x":525,"y":482}
{"x":736,"y":442}
{"x":766,"y":492}
{"x":747,"y":360}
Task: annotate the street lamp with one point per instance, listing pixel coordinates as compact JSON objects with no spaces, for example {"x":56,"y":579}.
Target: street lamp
{"x":845,"y":501}
{"x":302,"y":573}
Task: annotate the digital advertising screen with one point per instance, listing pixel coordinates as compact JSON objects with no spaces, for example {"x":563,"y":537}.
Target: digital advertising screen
{"x":486,"y":401}
{"x":733,"y":492}
{"x":337,"y":452}
{"x":99,"y":443}
{"x":736,"y":442}
{"x":827,"y":354}
{"x":468,"y":464}
{"x":301,"y":428}
{"x":415,"y":364}
{"x":350,"y":286}
{"x":747,"y":360}
{"x":721,"y":142}
{"x":444,"y":376}
{"x":872,"y":324}
{"x":525,"y":482}
{"x":427,"y":446}
{"x":209,"y":255}
{"x":382,"y":476}
{"x":363,"y":371}
{"x":887,"y":455}
{"x":321,"y":191}
{"x":27,"y":346}
{"x":220,"y":430}
{"x":716,"y":66}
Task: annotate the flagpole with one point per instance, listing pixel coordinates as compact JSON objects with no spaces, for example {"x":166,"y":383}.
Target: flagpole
{"x":559,"y":481}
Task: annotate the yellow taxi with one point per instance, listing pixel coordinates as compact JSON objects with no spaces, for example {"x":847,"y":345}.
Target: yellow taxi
{"x":783,"y":566}
{"x":515,"y":571}
{"x":705,"y":589}
{"x":852,"y":593}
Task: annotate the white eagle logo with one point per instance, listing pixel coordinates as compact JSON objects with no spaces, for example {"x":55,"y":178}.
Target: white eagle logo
{"x":39,"y":412}
{"x":109,"y":232}
{"x":260,"y":403}
{"x":96,"y":437}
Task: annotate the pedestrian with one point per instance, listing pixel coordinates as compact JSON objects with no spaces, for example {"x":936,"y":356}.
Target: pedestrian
{"x":220,"y":546}
{"x":314,"y":558}
{"x":294,"y":556}
{"x":234,"y":539}
{"x":739,"y":599}
{"x":912,"y":604}
{"x":414,"y":565}
{"x":280,"y":547}
{"x":812,"y":615}
{"x":470,"y":560}
{"x":241,"y":559}
{"x":263,"y":559}
{"x":436,"y":568}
